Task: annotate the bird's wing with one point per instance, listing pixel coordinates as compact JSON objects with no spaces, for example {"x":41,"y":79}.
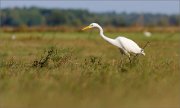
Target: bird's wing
{"x":129,"y":45}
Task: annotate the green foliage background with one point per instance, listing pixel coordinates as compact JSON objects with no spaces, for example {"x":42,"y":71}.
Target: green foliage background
{"x":58,"y":17}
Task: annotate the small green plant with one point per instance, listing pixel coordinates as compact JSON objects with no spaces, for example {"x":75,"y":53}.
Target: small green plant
{"x":57,"y":56}
{"x":44,"y":59}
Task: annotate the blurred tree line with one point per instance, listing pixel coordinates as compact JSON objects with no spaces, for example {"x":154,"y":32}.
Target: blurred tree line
{"x":34,"y":16}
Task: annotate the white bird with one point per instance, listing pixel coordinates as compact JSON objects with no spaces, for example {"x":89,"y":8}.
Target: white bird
{"x":13,"y":37}
{"x":147,"y":34}
{"x":125,"y":45}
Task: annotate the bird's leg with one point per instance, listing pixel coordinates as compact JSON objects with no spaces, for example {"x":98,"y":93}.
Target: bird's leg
{"x":128,"y":55}
{"x":122,"y":53}
{"x":130,"y":59}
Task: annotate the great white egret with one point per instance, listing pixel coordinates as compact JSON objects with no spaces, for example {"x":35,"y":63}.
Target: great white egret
{"x":147,"y":34}
{"x":13,"y":37}
{"x":125,"y":45}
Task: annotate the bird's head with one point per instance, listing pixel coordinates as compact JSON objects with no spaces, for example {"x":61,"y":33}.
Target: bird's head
{"x":92,"y":25}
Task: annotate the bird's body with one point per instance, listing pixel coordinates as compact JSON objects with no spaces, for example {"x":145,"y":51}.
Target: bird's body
{"x":126,"y":46}
{"x":147,"y":34}
{"x":13,"y":37}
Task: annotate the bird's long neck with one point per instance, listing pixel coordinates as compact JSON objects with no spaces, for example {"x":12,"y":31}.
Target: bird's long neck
{"x":111,"y":41}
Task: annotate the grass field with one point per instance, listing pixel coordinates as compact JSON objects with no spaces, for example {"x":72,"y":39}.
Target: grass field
{"x":81,"y":70}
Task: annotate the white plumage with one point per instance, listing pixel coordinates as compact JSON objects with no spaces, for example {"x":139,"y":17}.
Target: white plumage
{"x":147,"y":34}
{"x":126,"y":45}
{"x":129,"y":45}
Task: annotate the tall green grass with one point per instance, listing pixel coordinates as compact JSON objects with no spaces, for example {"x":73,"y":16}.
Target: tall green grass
{"x":81,"y":70}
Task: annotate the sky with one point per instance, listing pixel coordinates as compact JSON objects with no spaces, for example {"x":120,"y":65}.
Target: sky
{"x":129,"y":6}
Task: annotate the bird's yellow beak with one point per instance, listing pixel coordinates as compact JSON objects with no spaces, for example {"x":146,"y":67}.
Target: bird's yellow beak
{"x":88,"y":27}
